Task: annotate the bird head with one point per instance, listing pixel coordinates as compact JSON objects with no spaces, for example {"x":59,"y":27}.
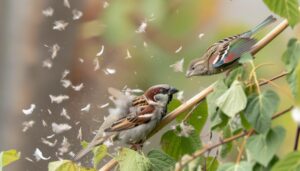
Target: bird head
{"x":161,"y":93}
{"x":203,"y":65}
{"x":197,"y":67}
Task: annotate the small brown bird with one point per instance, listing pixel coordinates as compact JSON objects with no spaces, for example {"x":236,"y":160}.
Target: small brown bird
{"x":225,"y":53}
{"x":133,"y":118}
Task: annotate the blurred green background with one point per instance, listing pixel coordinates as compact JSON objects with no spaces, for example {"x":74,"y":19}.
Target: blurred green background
{"x":170,"y":25}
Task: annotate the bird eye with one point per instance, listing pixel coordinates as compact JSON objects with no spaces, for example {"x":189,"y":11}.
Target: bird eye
{"x":193,"y":68}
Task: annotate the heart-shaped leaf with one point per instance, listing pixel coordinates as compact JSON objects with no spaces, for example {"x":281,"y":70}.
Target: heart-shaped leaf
{"x":260,"y":109}
{"x":233,"y":100}
{"x":263,"y":147}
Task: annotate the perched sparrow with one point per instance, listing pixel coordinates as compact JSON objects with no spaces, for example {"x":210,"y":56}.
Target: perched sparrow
{"x":133,"y":118}
{"x":225,"y":53}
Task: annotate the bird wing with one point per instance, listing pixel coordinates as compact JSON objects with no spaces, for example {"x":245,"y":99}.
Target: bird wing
{"x":232,"y":48}
{"x":133,"y":119}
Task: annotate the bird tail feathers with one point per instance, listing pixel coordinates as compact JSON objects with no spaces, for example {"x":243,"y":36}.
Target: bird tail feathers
{"x":263,"y":24}
{"x":91,"y":145}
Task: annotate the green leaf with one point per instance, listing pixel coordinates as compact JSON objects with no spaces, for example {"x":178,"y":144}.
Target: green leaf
{"x":176,"y":146}
{"x":160,"y":161}
{"x":285,"y":8}
{"x":212,"y":164}
{"x":66,"y":165}
{"x":291,"y":56}
{"x":173,"y":105}
{"x":7,"y":157}
{"x":131,"y":160}
{"x":291,"y":59}
{"x":297,"y":78}
{"x":242,"y":166}
{"x":244,"y":121}
{"x":197,"y":118}
{"x":259,"y":167}
{"x":218,"y":120}
{"x":84,"y":144}
{"x":262,"y":148}
{"x":245,"y":58}
{"x":260,"y":109}
{"x":219,"y":89}
{"x":291,"y":162}
{"x":233,"y":100}
{"x":99,"y":153}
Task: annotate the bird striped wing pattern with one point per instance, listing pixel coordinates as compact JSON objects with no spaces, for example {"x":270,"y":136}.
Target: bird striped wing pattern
{"x":232,"y":48}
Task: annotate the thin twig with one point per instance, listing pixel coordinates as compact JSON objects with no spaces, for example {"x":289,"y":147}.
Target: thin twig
{"x":239,"y":157}
{"x":200,"y":152}
{"x":284,"y":73}
{"x":197,"y":98}
{"x":297,"y":138}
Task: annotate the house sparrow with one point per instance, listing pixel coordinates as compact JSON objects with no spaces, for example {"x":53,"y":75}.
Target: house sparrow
{"x":134,"y":116}
{"x":225,"y":53}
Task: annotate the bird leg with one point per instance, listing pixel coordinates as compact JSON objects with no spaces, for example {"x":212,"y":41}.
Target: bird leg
{"x":137,"y":146}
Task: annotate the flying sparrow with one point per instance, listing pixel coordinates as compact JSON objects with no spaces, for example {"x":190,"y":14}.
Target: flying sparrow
{"x":133,"y":118}
{"x":225,"y":53}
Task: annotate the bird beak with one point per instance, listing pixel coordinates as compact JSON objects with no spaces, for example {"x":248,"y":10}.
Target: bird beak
{"x":188,"y":73}
{"x":172,"y":90}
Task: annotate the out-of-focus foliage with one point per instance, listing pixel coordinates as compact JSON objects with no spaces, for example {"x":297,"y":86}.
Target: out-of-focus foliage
{"x":8,"y":157}
{"x":291,"y":59}
{"x":243,"y":166}
{"x":66,"y":165}
{"x":288,"y":163}
{"x":287,"y":9}
{"x":99,"y":153}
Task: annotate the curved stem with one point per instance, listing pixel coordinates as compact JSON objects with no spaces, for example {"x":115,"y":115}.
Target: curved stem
{"x":253,"y":73}
{"x":239,"y":157}
{"x":284,"y":73}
